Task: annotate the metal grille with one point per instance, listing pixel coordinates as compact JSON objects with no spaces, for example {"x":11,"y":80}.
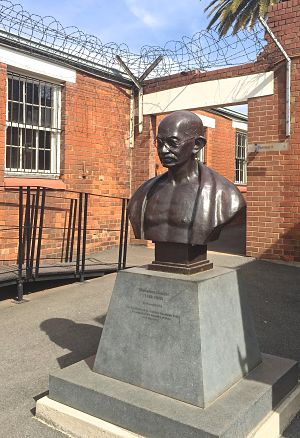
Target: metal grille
{"x":241,"y":158}
{"x":32,"y":126}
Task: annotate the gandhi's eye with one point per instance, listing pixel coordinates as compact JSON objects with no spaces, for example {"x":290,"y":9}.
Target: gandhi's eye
{"x":172,"y":142}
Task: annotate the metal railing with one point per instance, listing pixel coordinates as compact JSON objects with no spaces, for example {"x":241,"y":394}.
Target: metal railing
{"x":55,"y":234}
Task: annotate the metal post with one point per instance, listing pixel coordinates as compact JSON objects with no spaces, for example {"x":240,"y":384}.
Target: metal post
{"x":28,"y":232}
{"x":33,"y":237}
{"x":20,"y":250}
{"x":39,"y":244}
{"x":73,"y":230}
{"x":69,"y":230}
{"x":84,"y":236}
{"x":125,"y":236}
{"x":79,"y":234}
{"x":121,"y":235}
{"x":138,"y":84}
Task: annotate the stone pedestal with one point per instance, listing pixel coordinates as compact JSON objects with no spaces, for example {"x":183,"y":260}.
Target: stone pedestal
{"x":189,"y":338}
{"x":178,"y":357}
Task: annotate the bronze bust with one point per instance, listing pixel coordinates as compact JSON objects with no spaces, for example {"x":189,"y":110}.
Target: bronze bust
{"x":190,"y":203}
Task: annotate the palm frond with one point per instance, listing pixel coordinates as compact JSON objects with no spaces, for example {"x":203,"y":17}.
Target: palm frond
{"x":236,"y":14}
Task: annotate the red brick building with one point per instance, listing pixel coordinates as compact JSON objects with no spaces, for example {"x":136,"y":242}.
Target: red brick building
{"x":67,"y":126}
{"x":67,"y":129}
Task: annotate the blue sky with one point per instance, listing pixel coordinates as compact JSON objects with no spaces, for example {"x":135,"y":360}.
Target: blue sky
{"x":135,"y":22}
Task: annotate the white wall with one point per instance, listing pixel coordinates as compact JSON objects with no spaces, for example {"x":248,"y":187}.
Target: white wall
{"x":210,"y":93}
{"x":32,"y":64}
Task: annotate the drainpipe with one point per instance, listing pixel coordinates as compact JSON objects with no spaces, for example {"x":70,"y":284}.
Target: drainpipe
{"x":288,"y":78}
{"x":131,"y":139}
{"x":131,"y":120}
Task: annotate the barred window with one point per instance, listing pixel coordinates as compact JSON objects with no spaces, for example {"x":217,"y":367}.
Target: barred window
{"x":241,"y":158}
{"x":32,"y":126}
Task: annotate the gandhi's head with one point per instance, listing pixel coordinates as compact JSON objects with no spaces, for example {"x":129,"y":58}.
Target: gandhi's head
{"x":179,"y":138}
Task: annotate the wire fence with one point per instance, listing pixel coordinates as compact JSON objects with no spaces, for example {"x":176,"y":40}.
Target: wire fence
{"x":204,"y":50}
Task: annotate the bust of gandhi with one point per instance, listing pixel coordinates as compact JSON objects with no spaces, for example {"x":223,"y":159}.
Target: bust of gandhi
{"x":190,"y":203}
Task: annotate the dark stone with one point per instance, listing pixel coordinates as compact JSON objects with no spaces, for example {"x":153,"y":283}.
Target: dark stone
{"x":180,"y":258}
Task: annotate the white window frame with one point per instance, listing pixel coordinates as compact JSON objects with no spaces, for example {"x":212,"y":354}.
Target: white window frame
{"x":201,"y":154}
{"x":241,"y":159}
{"x":55,"y":129}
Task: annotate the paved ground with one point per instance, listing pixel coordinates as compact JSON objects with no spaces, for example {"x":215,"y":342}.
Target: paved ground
{"x":62,"y":325}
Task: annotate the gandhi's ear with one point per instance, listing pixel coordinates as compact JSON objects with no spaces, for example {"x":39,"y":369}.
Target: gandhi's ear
{"x":200,"y":142}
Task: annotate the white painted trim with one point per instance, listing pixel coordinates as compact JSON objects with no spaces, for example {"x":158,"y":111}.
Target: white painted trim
{"x":274,"y":424}
{"x":31,"y":64}
{"x":76,"y":423}
{"x":240,"y":125}
{"x":208,"y":122}
{"x":211,"y":93}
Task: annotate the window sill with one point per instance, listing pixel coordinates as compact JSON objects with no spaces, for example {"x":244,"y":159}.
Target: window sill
{"x":242,"y":187}
{"x":33,"y":182}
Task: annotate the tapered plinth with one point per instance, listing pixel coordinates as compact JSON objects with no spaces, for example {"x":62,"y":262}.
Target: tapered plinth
{"x":190,"y":338}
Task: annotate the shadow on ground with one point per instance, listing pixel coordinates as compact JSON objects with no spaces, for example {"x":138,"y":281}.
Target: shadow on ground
{"x":10,"y":291}
{"x":80,"y":339}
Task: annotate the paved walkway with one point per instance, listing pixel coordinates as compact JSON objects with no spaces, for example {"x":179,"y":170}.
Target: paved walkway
{"x":62,"y":325}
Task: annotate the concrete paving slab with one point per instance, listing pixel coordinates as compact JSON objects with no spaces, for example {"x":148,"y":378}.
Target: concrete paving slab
{"x":60,"y":326}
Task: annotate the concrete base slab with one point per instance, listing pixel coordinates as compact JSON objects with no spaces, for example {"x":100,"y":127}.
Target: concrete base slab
{"x":78,"y":424}
{"x":75,"y":423}
{"x":235,"y":414}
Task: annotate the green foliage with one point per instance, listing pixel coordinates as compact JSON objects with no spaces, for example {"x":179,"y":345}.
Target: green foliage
{"x":235,"y":15}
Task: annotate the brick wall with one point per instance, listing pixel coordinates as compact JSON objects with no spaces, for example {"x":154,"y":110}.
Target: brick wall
{"x":96,"y":158}
{"x":273,"y":228}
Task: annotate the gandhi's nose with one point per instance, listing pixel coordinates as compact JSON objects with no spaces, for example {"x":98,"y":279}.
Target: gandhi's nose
{"x":164,"y":148}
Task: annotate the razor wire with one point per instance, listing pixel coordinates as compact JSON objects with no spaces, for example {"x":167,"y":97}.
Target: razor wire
{"x":203,"y":51}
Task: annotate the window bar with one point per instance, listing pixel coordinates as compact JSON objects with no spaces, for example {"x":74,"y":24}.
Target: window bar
{"x":10,"y":124}
{"x":20,"y":136}
{"x":32,"y":130}
{"x":39,"y":244}
{"x":55,"y":125}
{"x":45,"y":127}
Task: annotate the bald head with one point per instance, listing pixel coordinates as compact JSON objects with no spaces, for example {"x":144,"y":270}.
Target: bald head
{"x":186,"y":123}
{"x":179,"y":138}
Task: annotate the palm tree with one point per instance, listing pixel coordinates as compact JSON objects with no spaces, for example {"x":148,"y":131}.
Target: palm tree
{"x":236,"y":14}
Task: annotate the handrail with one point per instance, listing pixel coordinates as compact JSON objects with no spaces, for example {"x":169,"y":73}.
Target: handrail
{"x":16,"y":188}
{"x":34,"y":203}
